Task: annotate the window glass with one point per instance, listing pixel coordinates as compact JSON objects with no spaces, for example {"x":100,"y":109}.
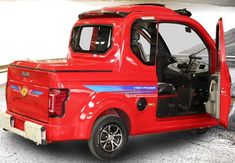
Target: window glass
{"x":146,"y":48}
{"x":85,"y":38}
{"x":183,"y":41}
{"x":91,"y":39}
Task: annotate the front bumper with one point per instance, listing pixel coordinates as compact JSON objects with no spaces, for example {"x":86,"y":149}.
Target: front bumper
{"x":32,"y":131}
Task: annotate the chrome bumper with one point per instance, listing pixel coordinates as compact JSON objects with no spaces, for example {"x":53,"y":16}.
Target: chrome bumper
{"x":32,"y":131}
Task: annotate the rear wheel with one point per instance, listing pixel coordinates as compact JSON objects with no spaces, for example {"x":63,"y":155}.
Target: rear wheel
{"x":109,"y":137}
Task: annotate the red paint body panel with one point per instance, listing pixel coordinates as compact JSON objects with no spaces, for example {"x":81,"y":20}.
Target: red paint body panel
{"x":119,"y":66}
{"x":225,"y":79}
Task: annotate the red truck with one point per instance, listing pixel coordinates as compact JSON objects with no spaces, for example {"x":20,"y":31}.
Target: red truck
{"x":130,"y":70}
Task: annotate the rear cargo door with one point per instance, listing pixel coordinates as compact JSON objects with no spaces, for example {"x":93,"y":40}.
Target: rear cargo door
{"x":220,"y":96}
{"x":27,"y":92}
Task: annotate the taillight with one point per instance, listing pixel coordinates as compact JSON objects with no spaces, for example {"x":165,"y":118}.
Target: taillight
{"x":57,"y":99}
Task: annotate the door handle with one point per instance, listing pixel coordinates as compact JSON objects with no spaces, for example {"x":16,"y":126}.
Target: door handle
{"x":211,"y":85}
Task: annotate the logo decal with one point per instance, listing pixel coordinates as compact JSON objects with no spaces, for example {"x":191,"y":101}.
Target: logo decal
{"x":15,"y":88}
{"x":24,"y":91}
{"x":25,"y":74}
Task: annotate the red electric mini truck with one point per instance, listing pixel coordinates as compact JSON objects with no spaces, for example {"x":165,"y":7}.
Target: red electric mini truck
{"x":130,"y":70}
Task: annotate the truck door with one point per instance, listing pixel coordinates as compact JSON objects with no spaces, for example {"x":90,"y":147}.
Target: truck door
{"x":219,"y":101}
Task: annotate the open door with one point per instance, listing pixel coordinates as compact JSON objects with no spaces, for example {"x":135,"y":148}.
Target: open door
{"x":219,"y":101}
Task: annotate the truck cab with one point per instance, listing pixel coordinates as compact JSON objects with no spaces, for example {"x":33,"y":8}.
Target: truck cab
{"x":130,"y":70}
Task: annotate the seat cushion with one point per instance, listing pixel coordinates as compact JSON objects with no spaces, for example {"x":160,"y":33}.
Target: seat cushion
{"x":165,"y":88}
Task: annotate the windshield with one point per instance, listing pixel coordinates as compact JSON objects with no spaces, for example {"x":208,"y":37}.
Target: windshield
{"x":95,"y":39}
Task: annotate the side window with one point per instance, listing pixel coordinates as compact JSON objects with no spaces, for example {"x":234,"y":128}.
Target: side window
{"x":146,"y":48}
{"x":143,"y":40}
{"x":91,"y":39}
{"x":182,"y":41}
{"x":85,"y":38}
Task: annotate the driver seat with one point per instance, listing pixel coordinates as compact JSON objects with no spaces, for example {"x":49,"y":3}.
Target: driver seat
{"x":136,"y":46}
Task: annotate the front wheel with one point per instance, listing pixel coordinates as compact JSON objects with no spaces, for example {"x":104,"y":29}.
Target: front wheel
{"x":109,"y":137}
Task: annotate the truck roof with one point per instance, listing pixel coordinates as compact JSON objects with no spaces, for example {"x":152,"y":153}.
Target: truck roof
{"x":124,"y":10}
{"x":141,"y":8}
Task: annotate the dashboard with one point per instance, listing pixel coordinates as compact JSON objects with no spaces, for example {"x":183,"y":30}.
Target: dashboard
{"x":195,"y":67}
{"x":188,"y":73}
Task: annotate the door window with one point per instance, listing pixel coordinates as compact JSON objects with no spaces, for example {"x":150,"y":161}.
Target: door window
{"x":183,"y":41}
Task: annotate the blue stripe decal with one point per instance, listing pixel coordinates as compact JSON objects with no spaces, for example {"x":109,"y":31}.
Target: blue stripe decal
{"x":15,"y":87}
{"x":123,"y":89}
{"x":34,"y":92}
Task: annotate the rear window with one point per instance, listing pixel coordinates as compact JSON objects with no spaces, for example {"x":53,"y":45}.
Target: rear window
{"x":91,"y":39}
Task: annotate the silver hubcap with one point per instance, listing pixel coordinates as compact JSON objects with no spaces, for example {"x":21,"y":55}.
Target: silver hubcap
{"x":111,"y":138}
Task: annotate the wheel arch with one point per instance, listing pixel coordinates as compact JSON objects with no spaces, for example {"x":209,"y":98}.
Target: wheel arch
{"x":119,"y":113}
{"x":118,"y":108}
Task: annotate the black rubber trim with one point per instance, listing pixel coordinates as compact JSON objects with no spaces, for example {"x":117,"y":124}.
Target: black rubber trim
{"x":102,"y":14}
{"x":12,"y":118}
{"x":43,"y":129}
{"x":184,"y":12}
{"x":44,"y":142}
{"x":60,"y":70}
{"x":4,"y":129}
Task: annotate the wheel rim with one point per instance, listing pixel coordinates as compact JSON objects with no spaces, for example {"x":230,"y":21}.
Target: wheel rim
{"x":111,"y":138}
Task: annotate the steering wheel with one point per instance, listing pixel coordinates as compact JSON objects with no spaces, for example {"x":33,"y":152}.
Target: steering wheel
{"x":192,"y":58}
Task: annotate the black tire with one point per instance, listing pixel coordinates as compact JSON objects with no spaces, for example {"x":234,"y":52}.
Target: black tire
{"x":112,"y":131}
{"x":200,"y":131}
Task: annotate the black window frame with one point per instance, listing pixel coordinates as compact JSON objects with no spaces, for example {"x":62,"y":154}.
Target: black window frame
{"x":94,"y":52}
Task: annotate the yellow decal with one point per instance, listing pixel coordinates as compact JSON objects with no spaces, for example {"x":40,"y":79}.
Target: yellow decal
{"x":151,"y":104}
{"x":24,"y":91}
